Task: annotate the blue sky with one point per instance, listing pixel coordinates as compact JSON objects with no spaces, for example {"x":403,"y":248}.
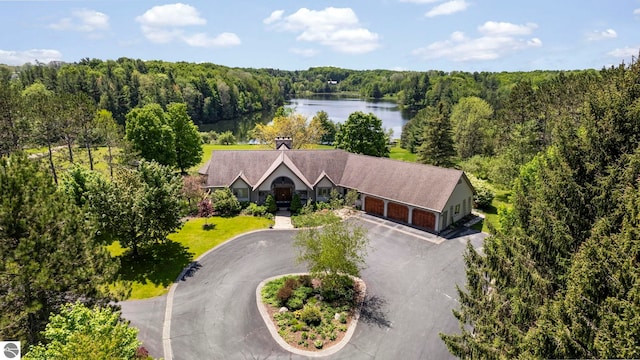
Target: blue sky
{"x":466,"y":35}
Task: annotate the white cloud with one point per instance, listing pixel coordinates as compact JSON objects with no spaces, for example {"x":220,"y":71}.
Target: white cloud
{"x":304,"y":52}
{"x":636,"y":11}
{"x":336,"y":28}
{"x":171,"y":15}
{"x":29,"y":56}
{"x":601,"y":35}
{"x":83,"y":20}
{"x":496,"y":40}
{"x":166,"y":23}
{"x":275,"y":16}
{"x":420,"y":1}
{"x":624,"y":52}
{"x":448,"y":8}
{"x":506,"y":29}
{"x":203,"y":40}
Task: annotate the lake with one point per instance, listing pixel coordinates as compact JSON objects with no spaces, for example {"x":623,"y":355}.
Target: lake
{"x":338,"y":108}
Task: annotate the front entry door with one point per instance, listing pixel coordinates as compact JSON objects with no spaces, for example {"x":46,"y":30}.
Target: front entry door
{"x":283,"y":194}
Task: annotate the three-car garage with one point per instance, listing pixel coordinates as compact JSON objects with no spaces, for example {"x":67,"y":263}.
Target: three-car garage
{"x":402,"y":213}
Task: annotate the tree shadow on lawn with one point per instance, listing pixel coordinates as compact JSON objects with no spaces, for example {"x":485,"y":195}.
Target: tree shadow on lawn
{"x":372,"y":313}
{"x":159,"y":264}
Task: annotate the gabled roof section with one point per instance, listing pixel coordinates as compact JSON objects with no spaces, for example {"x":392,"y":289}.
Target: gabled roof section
{"x":416,"y":184}
{"x":322,"y":176}
{"x":282,"y":159}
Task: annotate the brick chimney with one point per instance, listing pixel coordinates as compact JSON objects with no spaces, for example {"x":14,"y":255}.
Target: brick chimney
{"x":284,"y":143}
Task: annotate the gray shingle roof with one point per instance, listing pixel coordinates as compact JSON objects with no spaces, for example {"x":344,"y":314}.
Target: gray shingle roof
{"x":411,"y":183}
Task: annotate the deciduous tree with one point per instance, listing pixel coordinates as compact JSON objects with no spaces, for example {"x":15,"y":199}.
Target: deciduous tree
{"x":333,"y":250}
{"x":295,"y":126}
{"x":363,"y":134}
{"x":151,"y":135}
{"x":80,"y":332}
{"x":188,"y":142}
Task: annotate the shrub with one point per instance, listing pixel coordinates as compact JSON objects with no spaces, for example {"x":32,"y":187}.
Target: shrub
{"x":338,"y":288}
{"x":283,"y":295}
{"x":342,"y":328}
{"x":307,"y":209}
{"x":304,"y":335}
{"x":270,"y":203}
{"x":351,"y":198}
{"x":295,"y":303}
{"x":343,"y":318}
{"x":318,"y":344}
{"x":311,"y":315}
{"x":482,"y":198}
{"x":226,"y":138}
{"x":335,"y":200}
{"x":296,"y":204}
{"x":305,"y":280}
{"x":254,"y":209}
{"x":225,"y":203}
{"x":291,"y":283}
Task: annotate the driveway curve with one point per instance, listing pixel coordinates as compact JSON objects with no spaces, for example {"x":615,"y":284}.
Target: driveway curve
{"x":410,"y":294}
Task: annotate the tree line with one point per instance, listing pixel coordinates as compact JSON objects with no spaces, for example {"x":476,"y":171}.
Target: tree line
{"x":560,"y":277}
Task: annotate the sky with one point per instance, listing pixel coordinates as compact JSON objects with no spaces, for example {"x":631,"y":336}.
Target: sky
{"x":418,"y":35}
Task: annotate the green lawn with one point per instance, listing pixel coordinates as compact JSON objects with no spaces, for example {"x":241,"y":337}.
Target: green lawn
{"x":501,"y":201}
{"x":155,"y":269}
{"x":398,"y":153}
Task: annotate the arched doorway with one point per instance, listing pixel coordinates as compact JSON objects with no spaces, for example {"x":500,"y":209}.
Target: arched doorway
{"x":283,"y":189}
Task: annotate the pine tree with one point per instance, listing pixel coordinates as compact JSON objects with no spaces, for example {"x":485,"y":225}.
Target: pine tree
{"x":49,"y":252}
{"x":437,"y":144}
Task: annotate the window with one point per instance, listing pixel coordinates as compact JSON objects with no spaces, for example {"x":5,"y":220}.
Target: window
{"x":324,"y":192}
{"x":241,"y":193}
{"x":457,"y":209}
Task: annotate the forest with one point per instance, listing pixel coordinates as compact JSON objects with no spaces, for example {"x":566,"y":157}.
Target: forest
{"x":558,"y":277}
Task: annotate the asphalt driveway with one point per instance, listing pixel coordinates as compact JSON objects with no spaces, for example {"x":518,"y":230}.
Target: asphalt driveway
{"x":410,"y":293}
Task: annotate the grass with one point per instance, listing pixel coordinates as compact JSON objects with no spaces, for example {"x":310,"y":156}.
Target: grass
{"x":155,"y":269}
{"x":500,"y":201}
{"x":398,"y":153}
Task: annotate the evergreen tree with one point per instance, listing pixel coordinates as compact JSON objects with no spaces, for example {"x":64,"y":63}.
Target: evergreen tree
{"x":437,"y":145}
{"x":49,"y":251}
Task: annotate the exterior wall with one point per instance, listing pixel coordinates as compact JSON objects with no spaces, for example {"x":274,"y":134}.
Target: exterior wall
{"x":240,"y":184}
{"x":459,"y":200}
{"x":324,"y":183}
{"x":282,"y":170}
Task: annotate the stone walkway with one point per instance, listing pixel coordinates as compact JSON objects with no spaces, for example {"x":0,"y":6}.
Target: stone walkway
{"x":283,"y":220}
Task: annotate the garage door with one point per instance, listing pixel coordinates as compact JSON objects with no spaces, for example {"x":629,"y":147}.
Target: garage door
{"x":424,"y":219}
{"x":398,"y":212}
{"x":374,"y":206}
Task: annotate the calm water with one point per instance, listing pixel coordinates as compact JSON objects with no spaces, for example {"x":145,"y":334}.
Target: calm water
{"x":338,"y":108}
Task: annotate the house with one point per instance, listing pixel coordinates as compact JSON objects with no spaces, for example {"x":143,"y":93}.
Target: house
{"x":423,"y":196}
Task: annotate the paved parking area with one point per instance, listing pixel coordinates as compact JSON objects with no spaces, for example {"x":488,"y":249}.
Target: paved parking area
{"x":410,"y":275}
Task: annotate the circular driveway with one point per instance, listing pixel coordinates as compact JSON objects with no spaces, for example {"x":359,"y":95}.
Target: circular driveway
{"x":410,"y":293}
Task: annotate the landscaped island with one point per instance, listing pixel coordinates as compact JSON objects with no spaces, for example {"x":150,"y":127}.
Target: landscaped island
{"x":308,"y":314}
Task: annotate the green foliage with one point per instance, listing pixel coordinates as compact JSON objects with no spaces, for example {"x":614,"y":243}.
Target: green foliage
{"x":437,"y":146}
{"x":329,"y":127}
{"x":483,"y":197}
{"x":351,"y":198}
{"x":318,"y":344}
{"x":270,"y":203}
{"x":151,"y":135}
{"x":296,"y":204}
{"x":225,"y":203}
{"x":49,"y":251}
{"x":470,"y":127}
{"x":559,"y":279}
{"x":140,"y":206}
{"x":363,"y":134}
{"x":254,"y":209}
{"x":313,"y":219}
{"x":335,"y":249}
{"x":335,"y":200}
{"x":188,"y":143}
{"x":226,"y":138}
{"x":311,"y":315}
{"x":88,"y":333}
